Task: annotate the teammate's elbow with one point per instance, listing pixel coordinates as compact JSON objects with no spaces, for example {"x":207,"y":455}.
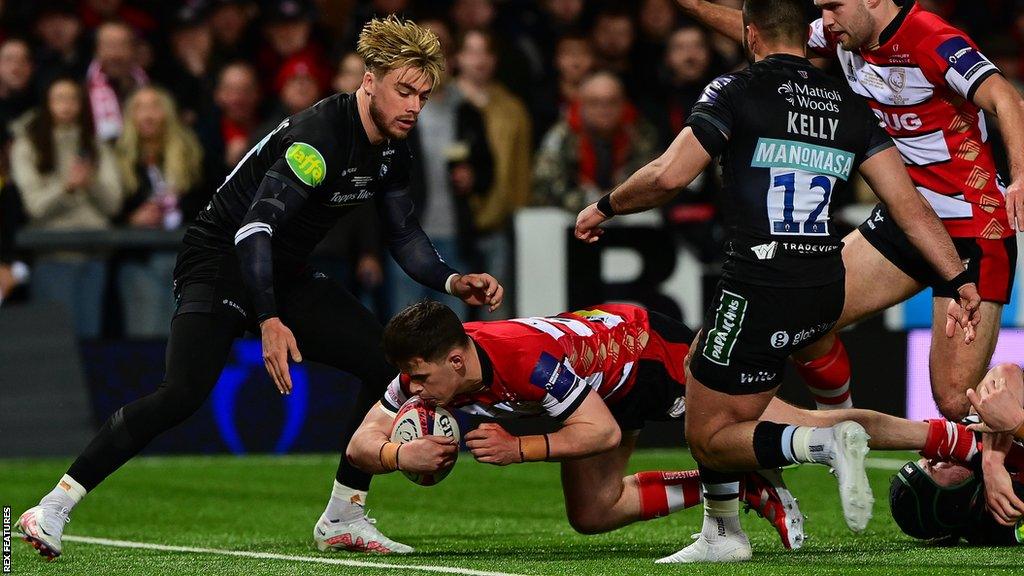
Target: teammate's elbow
{"x":665,"y":178}
{"x":357,"y":457}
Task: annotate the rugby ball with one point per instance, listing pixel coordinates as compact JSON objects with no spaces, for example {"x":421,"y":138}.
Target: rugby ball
{"x":417,"y":418}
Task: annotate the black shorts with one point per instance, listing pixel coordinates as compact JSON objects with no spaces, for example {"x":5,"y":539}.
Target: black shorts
{"x":218,"y":289}
{"x":750,"y":331}
{"x":992,"y":264}
{"x":208,"y":282}
{"x":659,"y":391}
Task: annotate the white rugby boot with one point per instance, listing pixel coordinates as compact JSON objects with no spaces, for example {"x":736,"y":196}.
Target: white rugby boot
{"x":733,"y":547}
{"x":42,"y":527}
{"x":850,"y":446}
{"x":358,"y":535}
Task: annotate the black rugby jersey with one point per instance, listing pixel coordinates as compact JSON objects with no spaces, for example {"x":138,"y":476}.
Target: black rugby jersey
{"x":288,"y":191}
{"x":789,"y":137}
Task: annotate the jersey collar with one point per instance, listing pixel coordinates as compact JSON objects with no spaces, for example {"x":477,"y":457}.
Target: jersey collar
{"x":352,"y":108}
{"x":486,"y":366}
{"x":790,"y":58}
{"x":889,"y":31}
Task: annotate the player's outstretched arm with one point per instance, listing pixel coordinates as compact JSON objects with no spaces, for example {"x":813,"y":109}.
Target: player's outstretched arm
{"x":649,"y":187}
{"x":722,"y":19}
{"x":998,"y":97}
{"x":415,"y":253}
{"x":275,"y":201}
{"x":590,"y":430}
{"x":372,"y":450}
{"x":887,"y":176}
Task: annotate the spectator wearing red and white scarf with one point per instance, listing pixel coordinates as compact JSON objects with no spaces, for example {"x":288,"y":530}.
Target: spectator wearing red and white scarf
{"x":596,"y":147}
{"x":112,"y":76}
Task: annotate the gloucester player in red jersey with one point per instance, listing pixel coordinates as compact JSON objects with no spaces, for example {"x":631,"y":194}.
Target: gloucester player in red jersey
{"x":927,"y":83}
{"x":602,"y":373}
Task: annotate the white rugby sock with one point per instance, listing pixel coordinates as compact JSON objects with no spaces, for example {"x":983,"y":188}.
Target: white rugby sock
{"x":721,"y":518}
{"x":813,"y":444}
{"x":345,"y":503}
{"x":66,"y":494}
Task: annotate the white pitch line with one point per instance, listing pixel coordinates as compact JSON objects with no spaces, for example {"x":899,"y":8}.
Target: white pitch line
{"x":271,"y":556}
{"x":884,"y":463}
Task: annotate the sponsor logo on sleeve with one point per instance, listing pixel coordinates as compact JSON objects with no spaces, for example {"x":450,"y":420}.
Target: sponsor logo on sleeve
{"x":307,"y":163}
{"x":554,"y":376}
{"x":962,"y":57}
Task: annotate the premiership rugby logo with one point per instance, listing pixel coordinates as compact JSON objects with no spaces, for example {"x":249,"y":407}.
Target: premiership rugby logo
{"x":307,"y":163}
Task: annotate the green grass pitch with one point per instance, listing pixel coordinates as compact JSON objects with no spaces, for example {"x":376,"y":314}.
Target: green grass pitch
{"x":508,"y":520}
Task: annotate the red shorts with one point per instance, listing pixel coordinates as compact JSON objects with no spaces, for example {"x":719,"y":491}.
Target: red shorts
{"x":992,"y":264}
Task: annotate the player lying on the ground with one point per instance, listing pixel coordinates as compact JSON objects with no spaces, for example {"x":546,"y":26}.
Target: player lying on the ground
{"x":789,"y":137}
{"x":598,"y":371}
{"x":947,"y":501}
{"x":927,"y":83}
{"x":244,"y":267}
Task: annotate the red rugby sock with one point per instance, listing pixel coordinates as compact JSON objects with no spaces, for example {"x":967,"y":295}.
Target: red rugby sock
{"x":828,"y":378}
{"x":662,"y":493}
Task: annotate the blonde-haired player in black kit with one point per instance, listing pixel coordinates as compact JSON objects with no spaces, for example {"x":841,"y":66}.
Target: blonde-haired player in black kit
{"x":244,"y":267}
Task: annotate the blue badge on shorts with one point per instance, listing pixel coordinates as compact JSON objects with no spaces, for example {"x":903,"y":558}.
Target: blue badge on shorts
{"x":553,"y":376}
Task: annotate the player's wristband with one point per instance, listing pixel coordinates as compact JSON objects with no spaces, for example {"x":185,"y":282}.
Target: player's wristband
{"x":960,"y":280}
{"x":534,"y":448}
{"x":389,"y":455}
{"x":604,"y":206}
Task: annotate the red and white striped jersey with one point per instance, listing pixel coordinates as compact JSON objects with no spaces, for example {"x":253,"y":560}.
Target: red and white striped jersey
{"x":533,"y":366}
{"x":920,"y":82}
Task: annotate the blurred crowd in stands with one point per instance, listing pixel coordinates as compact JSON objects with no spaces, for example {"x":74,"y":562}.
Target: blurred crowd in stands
{"x":129,"y":113}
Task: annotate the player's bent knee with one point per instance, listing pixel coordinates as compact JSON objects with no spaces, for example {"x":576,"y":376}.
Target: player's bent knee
{"x":953,"y":405}
{"x":588,"y":520}
{"x":175,"y":404}
{"x":613,"y":438}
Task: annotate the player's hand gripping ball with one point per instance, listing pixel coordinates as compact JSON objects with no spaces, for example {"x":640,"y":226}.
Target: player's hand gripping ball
{"x":419,"y":419}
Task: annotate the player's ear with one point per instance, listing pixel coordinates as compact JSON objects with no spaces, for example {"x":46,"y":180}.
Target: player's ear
{"x":753,"y":38}
{"x":457,"y":359}
{"x":368,"y":82}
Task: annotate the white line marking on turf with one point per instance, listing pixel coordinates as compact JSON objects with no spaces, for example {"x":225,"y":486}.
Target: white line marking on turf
{"x":884,"y":463}
{"x":271,"y":556}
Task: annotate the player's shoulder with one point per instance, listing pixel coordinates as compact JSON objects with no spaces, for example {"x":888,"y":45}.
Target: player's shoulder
{"x":732,"y":82}
{"x":820,"y":40}
{"x":511,"y":344}
{"x":610,"y":314}
{"x":926,"y":35}
{"x":309,"y":141}
{"x":321,"y":119}
{"x":921,"y":25}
